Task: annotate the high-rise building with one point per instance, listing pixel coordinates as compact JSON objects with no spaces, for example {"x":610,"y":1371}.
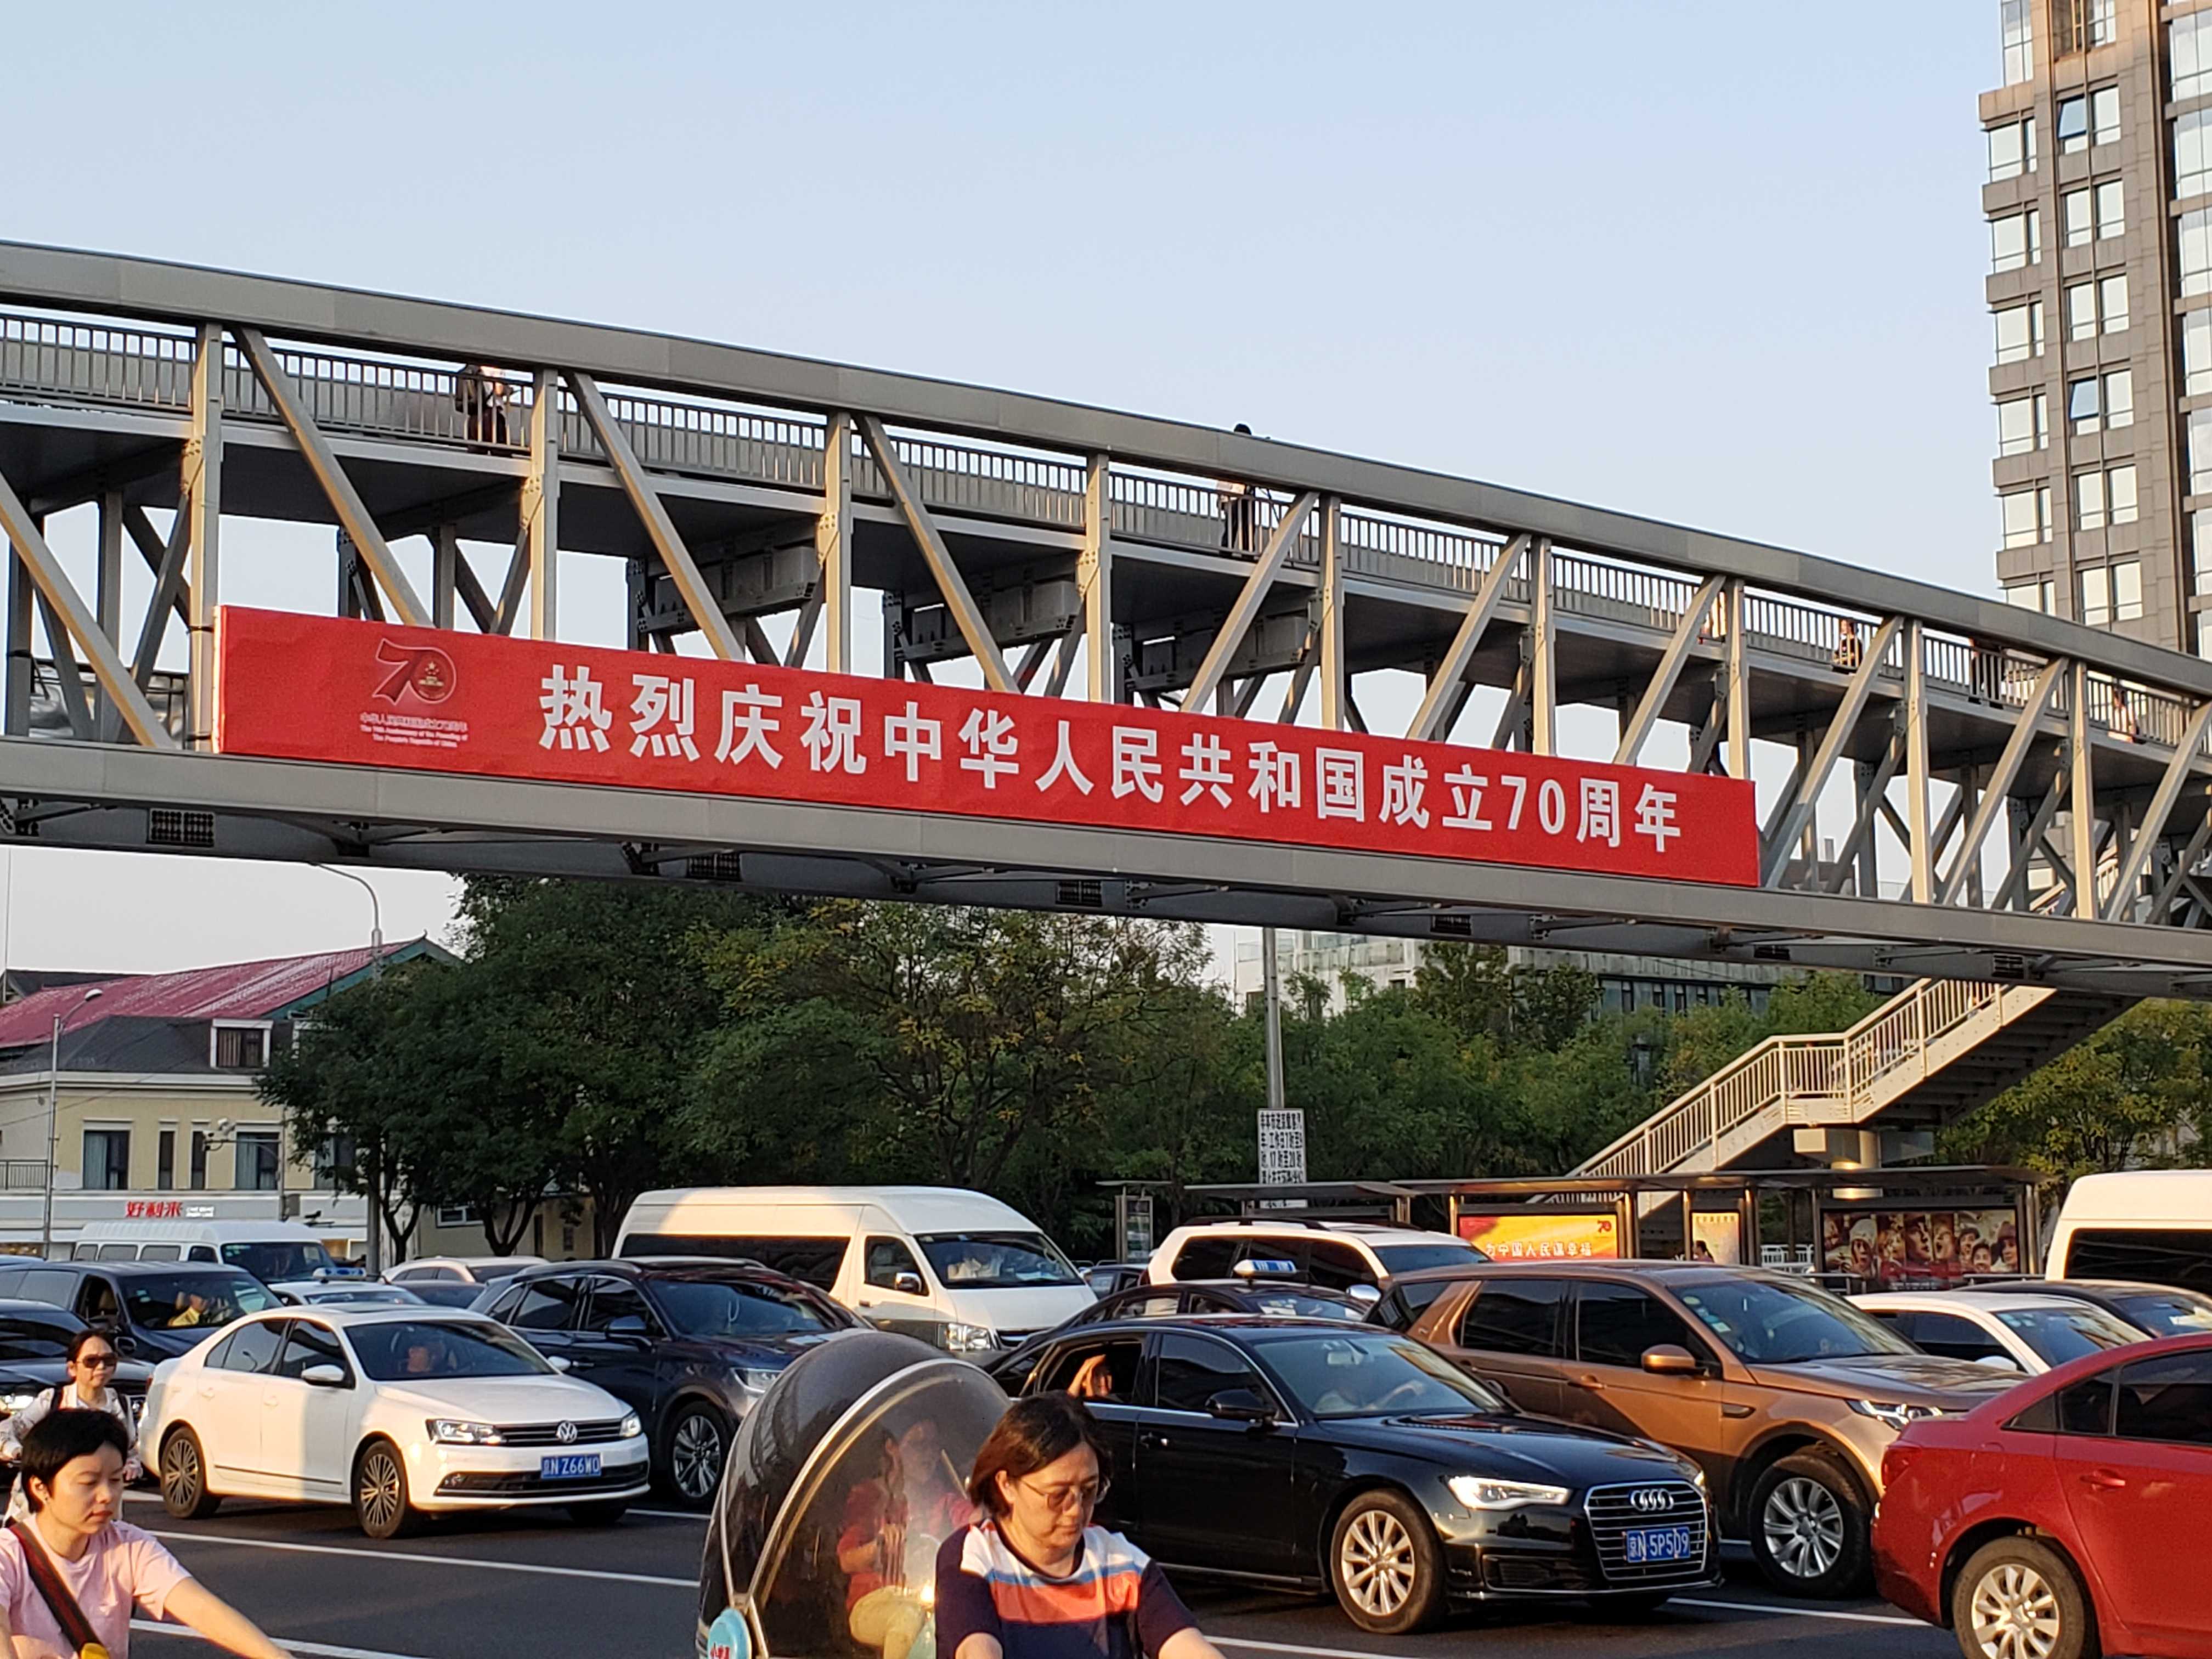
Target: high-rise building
{"x":2100,"y":209}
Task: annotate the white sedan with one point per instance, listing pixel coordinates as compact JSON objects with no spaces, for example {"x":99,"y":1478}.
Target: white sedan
{"x":2030,"y":1333}
{"x":398,"y":1411}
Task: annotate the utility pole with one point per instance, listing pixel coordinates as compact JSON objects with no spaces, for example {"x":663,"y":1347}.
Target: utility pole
{"x":1272,"y":979}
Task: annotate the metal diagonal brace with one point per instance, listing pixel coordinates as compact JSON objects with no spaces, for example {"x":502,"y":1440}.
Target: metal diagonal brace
{"x":950,"y":583}
{"x":659,"y":528}
{"x":1796,"y":809}
{"x":353,"y":515}
{"x":52,"y":582}
{"x":1249,"y":598}
{"x":2154,"y":816}
{"x":1442,"y":700}
{"x":1668,"y":671}
{"x":162,"y":557}
{"x":1999,"y":788}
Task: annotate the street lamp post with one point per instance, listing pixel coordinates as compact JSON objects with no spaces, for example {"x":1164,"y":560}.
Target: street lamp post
{"x":375,"y":966}
{"x":54,"y":1121}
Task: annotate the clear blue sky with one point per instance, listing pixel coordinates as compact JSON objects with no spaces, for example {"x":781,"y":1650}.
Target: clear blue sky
{"x":1716,"y":263}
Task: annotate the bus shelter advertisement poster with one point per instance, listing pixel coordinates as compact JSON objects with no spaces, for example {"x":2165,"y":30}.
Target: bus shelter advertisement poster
{"x":1519,"y":1236}
{"x":1895,"y":1246}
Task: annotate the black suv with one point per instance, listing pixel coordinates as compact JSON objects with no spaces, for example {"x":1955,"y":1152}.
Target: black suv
{"x":688,"y":1344}
{"x":155,"y":1310}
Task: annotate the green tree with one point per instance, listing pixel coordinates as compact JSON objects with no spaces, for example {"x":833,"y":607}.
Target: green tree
{"x":1475,"y":990}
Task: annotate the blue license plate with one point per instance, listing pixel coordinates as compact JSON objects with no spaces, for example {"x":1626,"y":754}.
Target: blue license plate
{"x":569,"y":1466}
{"x":1649,"y":1543}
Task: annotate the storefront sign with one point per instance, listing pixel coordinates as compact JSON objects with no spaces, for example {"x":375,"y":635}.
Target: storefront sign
{"x":152,"y":1209}
{"x":317,"y":688}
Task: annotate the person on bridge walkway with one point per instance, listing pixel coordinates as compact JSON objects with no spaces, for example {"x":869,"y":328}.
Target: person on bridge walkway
{"x":1851,"y":650}
{"x":481,"y":396}
{"x":71,"y":1575}
{"x":1034,"y":1579}
{"x":1239,"y":510}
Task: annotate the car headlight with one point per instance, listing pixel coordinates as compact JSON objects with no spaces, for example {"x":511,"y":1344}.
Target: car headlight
{"x":631,"y":1427}
{"x":12,"y":1403}
{"x":970,"y":1338}
{"x":1896,"y":1417}
{"x":452,"y":1431}
{"x":1479,"y":1492}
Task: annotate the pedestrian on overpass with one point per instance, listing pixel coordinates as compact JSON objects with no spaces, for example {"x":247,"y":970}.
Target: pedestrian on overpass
{"x":1239,"y":510}
{"x":72,"y":1575}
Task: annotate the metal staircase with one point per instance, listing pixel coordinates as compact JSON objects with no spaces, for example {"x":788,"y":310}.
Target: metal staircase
{"x":1931,"y":1053}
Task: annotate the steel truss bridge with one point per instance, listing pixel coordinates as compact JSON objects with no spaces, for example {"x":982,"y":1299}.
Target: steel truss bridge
{"x":2008,"y":796}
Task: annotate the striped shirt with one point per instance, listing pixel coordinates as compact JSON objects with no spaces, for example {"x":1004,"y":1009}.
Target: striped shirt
{"x":1116,"y":1604}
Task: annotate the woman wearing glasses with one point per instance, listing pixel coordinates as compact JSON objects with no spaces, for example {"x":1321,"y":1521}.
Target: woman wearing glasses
{"x":90,"y":1388}
{"x":1034,"y":1579}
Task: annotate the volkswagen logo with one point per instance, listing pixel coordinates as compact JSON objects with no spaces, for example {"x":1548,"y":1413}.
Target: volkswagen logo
{"x":566,"y":1434}
{"x":1649,"y":1499}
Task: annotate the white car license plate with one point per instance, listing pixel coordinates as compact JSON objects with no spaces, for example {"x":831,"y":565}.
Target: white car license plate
{"x":1649,"y":1543}
{"x":568,"y":1465}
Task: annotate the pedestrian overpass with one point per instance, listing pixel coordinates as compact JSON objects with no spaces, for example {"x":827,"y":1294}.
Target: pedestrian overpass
{"x":1975,"y":793}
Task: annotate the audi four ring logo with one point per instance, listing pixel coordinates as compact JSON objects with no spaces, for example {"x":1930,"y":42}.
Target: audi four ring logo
{"x":1652,"y":1499}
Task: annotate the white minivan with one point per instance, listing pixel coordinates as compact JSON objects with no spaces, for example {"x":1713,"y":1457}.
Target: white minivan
{"x":956,"y":1268}
{"x":2153,"y":1226}
{"x":273,"y":1251}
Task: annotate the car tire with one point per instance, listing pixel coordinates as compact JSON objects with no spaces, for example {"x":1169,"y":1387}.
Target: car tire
{"x":184,"y":1492}
{"x":1385,"y":1564}
{"x":2014,"y":1585}
{"x":599,"y":1514}
{"x":698,"y":1442}
{"x":381,"y":1505}
{"x":1809,"y":1527}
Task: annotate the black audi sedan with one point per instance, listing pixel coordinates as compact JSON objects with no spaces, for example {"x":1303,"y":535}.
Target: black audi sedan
{"x":1324,"y":1456}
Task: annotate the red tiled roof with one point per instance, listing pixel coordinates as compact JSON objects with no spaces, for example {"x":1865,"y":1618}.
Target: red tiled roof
{"x":238,"y":990}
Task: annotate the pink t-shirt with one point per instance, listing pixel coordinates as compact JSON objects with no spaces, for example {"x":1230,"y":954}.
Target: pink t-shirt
{"x":122,"y":1567}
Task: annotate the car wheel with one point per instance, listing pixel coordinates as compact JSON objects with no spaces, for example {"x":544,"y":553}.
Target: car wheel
{"x":1809,"y":1527}
{"x":184,"y":1492}
{"x":698,"y":1441}
{"x":599,"y":1514}
{"x":2019,"y":1598}
{"x":380,"y":1503}
{"x":1385,"y":1565}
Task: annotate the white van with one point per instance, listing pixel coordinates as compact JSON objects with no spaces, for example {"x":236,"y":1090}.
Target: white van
{"x":2151,"y":1225}
{"x":956,"y":1268}
{"x":273,"y":1251}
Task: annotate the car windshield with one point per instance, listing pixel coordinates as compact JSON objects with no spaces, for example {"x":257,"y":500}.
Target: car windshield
{"x":191,"y":1301}
{"x":2058,"y":1334}
{"x":1770,"y":1322}
{"x":1373,"y":1375}
{"x":2168,"y":1312}
{"x":394,"y":1298}
{"x":988,"y":1262}
{"x":1296,"y":1304}
{"x":1411,"y":1258}
{"x":274,"y":1263}
{"x":730,"y":1307}
{"x":415,"y":1351}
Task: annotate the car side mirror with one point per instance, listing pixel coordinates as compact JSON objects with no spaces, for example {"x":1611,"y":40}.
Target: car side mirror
{"x":124,"y":1345}
{"x":1366,"y":1295}
{"x":907,"y":1282}
{"x":324,"y":1376}
{"x":1240,"y":1406}
{"x":1669,"y":1360}
{"x":1998,"y":1362}
{"x":558,"y":1362}
{"x":630,"y":1328}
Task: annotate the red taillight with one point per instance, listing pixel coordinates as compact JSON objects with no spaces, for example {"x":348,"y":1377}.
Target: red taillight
{"x":1896,"y":1460}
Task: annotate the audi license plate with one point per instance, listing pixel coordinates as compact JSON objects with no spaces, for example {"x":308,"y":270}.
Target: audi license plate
{"x":583,"y":1466}
{"x":1649,"y":1543}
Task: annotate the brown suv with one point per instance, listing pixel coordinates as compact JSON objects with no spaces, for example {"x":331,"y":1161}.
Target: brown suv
{"x":1785,"y":1395}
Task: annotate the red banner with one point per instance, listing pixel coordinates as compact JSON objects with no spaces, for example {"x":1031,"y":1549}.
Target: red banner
{"x":316,"y":688}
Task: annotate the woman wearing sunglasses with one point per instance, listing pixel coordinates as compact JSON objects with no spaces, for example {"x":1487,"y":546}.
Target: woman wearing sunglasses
{"x":1034,"y":1579}
{"x":90,"y":1388}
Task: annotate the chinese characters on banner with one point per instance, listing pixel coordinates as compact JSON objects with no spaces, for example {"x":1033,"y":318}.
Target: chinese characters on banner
{"x":1523,"y":1235}
{"x":1283,"y":1147}
{"x":318,"y":688}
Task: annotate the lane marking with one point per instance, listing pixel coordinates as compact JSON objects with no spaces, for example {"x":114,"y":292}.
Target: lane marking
{"x":317,"y":1650}
{"x":1801,"y":1613}
{"x":430,"y":1560}
{"x":674,"y":1514}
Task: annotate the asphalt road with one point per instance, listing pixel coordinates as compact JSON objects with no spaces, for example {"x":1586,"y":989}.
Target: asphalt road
{"x":520,"y":1586}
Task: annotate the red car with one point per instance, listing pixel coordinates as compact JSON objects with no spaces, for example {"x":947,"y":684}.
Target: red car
{"x":2071,"y":1516}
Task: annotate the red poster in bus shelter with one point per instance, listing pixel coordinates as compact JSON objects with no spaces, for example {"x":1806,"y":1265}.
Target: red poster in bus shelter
{"x":323,"y":689}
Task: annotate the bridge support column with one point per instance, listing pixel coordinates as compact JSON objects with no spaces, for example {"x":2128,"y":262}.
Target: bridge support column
{"x":540,"y":515}
{"x":1329,"y":643}
{"x":445,"y":574}
{"x":1447,"y":691}
{"x":833,"y":545}
{"x":1922,"y":856}
{"x":1094,"y":586}
{"x":2080,"y":793}
{"x":201,"y":501}
{"x":108,"y":599}
{"x":1540,"y":648}
{"x":19,"y":646}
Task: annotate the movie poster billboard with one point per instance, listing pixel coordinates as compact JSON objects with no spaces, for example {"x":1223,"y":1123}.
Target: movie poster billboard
{"x":1893,"y":1245}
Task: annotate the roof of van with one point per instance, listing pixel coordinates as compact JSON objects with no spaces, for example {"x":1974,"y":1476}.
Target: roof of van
{"x":2144,"y":1197}
{"x":917,"y":1208}
{"x":202,"y":1232}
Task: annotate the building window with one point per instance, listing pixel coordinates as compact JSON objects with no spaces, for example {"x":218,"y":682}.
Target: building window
{"x":2192,"y":152}
{"x":107,"y":1160}
{"x":2026,"y":516}
{"x":240,"y":1047}
{"x":255,"y":1170}
{"x":2079,"y":220}
{"x":2020,"y":333}
{"x":2195,"y":233}
{"x":2112,"y":594}
{"x":2196,"y":349}
{"x":2083,"y":412}
{"x":2104,"y":115}
{"x":2189,"y":55}
{"x":2030,"y":595}
{"x":2111,"y":216}
{"x":2112,"y":300}
{"x":2081,"y":312}
{"x":2021,"y":426}
{"x":199,"y":1160}
{"x":2200,"y":552}
{"x":2088,"y":500}
{"x":2012,"y":149}
{"x":2200,"y":452}
{"x":2120,"y":493}
{"x":2015,"y":241}
{"x":2073,"y":124}
{"x":2120,"y":398}
{"x":2016,"y":41}
{"x":164,"y":1160}
{"x":456,"y":1215}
